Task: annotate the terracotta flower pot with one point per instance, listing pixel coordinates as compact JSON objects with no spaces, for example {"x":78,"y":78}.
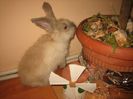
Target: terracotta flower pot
{"x":99,"y":54}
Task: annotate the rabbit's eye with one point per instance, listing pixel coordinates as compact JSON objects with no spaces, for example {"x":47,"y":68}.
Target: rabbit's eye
{"x":65,"y":27}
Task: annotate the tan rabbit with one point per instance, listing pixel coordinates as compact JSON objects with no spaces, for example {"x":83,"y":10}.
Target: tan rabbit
{"x":49,"y":51}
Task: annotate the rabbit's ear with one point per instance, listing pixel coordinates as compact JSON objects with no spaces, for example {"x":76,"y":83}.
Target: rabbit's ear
{"x":48,"y":10}
{"x":44,"y":23}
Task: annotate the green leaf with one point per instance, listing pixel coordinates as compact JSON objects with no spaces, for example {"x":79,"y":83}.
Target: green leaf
{"x":65,"y":86}
{"x":110,"y":40}
{"x":80,"y":90}
{"x":85,"y":27}
{"x":91,"y":79}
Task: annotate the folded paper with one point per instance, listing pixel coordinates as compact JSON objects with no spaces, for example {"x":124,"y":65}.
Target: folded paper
{"x":75,"y":71}
{"x":76,"y":92}
{"x":57,"y":80}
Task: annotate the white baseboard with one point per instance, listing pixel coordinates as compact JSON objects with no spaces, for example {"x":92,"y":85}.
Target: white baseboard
{"x":8,"y":74}
{"x":13,"y":73}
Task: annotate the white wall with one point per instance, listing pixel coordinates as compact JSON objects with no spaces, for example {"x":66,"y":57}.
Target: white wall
{"x":17,"y":32}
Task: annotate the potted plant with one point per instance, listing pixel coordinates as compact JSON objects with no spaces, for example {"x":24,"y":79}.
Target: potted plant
{"x":105,"y":49}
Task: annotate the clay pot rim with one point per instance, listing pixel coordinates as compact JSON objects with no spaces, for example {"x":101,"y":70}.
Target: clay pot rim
{"x":108,"y":50}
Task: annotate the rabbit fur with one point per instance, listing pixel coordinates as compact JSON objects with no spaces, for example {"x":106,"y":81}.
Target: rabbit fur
{"x":49,"y":51}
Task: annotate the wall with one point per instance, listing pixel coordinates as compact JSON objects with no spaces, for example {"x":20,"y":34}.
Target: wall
{"x":17,"y":32}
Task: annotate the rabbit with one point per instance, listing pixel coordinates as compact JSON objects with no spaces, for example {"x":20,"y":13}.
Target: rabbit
{"x":49,"y":51}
